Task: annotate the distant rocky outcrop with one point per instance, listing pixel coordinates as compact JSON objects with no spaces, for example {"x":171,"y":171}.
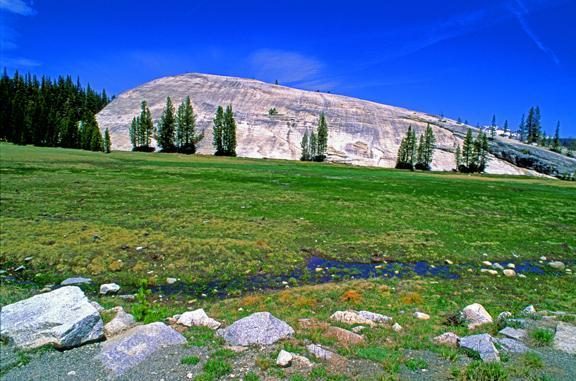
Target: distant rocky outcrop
{"x":360,"y":132}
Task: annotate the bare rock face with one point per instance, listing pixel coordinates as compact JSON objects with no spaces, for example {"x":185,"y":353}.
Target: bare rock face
{"x":360,"y":132}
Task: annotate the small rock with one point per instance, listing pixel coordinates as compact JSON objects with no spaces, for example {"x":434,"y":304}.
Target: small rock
{"x":351,"y":317}
{"x":530,"y":310}
{"x":28,"y":259}
{"x":171,"y":280}
{"x":487,"y":263}
{"x":71,"y":373}
{"x":557,"y":265}
{"x":511,"y":265}
{"x":543,"y":258}
{"x":421,"y":316}
{"x":109,"y":288}
{"x":449,"y":339}
{"x":448,"y":262}
{"x":259,"y":328}
{"x":509,"y":272}
{"x":236,"y":348}
{"x":358,"y":329}
{"x":284,"y":359}
{"x":397,"y":327}
{"x":139,"y":248}
{"x":511,"y":345}
{"x":97,"y":306}
{"x":198,"y":318}
{"x":503,"y":316}
{"x":518,"y":334}
{"x":128,"y":297}
{"x":476,"y":315}
{"x":481,"y":344}
{"x":489,"y":271}
{"x":343,"y":336}
{"x":301,"y":361}
{"x":521,"y":276}
{"x":497,"y":266}
{"x":189,"y":375}
{"x":19,"y":269}
{"x":312,"y":323}
{"x":375,"y":317}
{"x":121,"y":322}
{"x":324,"y":354}
{"x":75,"y":281}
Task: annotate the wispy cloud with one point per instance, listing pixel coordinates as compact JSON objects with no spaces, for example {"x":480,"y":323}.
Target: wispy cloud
{"x":8,"y":35}
{"x":284,"y":66}
{"x":20,"y":7}
{"x":520,"y":11}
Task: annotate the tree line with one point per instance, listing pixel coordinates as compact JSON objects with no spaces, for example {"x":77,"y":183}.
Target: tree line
{"x":51,"y":113}
{"x":473,"y":156}
{"x":416,"y":154}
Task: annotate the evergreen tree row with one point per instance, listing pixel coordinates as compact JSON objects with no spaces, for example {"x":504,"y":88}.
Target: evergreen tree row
{"x":414,"y":154}
{"x":50,"y":113}
{"x":473,"y":156}
{"x":315,"y":144}
{"x":224,"y":132}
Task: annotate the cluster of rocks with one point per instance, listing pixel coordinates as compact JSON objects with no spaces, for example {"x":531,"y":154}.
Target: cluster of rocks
{"x":511,"y":340}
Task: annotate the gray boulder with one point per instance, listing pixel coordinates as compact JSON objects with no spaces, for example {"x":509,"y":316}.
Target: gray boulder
{"x":375,"y":317}
{"x":511,"y":345}
{"x":565,"y":339}
{"x":259,"y":328}
{"x":63,"y":318}
{"x":197,"y":318}
{"x":481,"y":344}
{"x":127,"y":350}
{"x":476,"y":315}
{"x":109,"y":288}
{"x":513,"y":333}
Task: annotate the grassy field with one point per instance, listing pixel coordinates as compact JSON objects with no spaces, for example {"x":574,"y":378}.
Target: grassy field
{"x":197,"y":217}
{"x":200,"y":218}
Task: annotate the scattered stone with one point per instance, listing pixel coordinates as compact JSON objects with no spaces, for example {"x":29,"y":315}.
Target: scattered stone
{"x":343,"y":336}
{"x":481,"y":344}
{"x":504,"y":316}
{"x":312,"y":323}
{"x":511,"y":345}
{"x":514,"y":333}
{"x":489,"y":271}
{"x":28,"y":259}
{"x":530,"y":310}
{"x":63,"y":318}
{"x":487,"y":263}
{"x":543,"y":258}
{"x":476,"y":315}
{"x":127,"y":350}
{"x":511,"y":265}
{"x":324,"y":354}
{"x":449,"y":339}
{"x":71,"y":373}
{"x":509,"y":272}
{"x":19,"y":268}
{"x":421,"y":316}
{"x":301,"y":361}
{"x":97,"y":306}
{"x":521,"y":276}
{"x":171,"y":280}
{"x":351,"y":317}
{"x":565,"y":339}
{"x":557,"y":265}
{"x":139,"y":248}
{"x":284,"y":359}
{"x":236,"y":348}
{"x":259,"y":328}
{"x":75,"y":281}
{"x":376,"y":318}
{"x":397,"y":327}
{"x":121,"y":322}
{"x":109,"y":288}
{"x":497,"y":266}
{"x":197,"y":318}
{"x":448,"y":262}
{"x":128,"y":297}
{"x":358,"y":329}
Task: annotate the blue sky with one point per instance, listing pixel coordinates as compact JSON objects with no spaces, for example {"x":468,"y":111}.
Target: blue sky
{"x":467,"y":59}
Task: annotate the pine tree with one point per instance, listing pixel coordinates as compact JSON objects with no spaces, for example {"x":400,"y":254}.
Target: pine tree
{"x":229,"y":132}
{"x":218,"y":131}
{"x":186,"y":137}
{"x":420,"y":153}
{"x":135,"y":132}
{"x":506,"y":128}
{"x":322,"y":138}
{"x":146,"y":127}
{"x":458,"y":156}
{"x":522,"y":133}
{"x":167,"y":128}
{"x":468,"y":150}
{"x":407,"y":153}
{"x":556,"y":147}
{"x":107,"y":141}
{"x":313,"y":145}
{"x":305,"y":147}
{"x":96,"y":143}
{"x":480,"y":155}
{"x":493,"y":127}
{"x":429,"y":147}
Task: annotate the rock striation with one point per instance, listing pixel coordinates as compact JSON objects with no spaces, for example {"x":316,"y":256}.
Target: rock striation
{"x":360,"y":132}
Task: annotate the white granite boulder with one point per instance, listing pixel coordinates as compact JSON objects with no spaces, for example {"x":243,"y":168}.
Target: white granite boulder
{"x":476,"y":315}
{"x":260,"y":328}
{"x":483,"y":345}
{"x":198,"y":318}
{"x":63,"y":318}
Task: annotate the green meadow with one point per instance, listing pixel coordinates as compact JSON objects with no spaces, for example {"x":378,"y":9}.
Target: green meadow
{"x":128,"y":216}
